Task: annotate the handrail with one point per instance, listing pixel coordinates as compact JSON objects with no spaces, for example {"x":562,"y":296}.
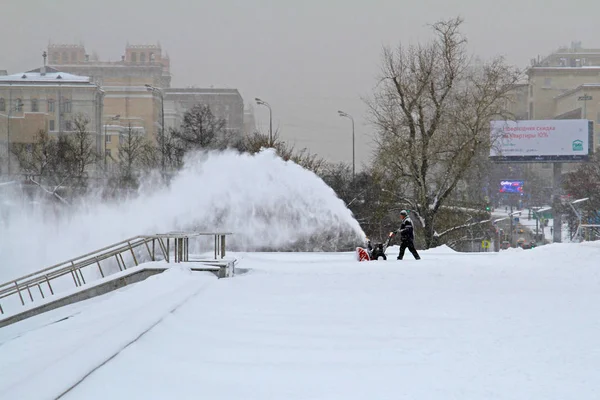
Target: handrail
{"x":75,"y":265}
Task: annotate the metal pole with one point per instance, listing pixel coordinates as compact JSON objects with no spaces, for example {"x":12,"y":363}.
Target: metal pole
{"x":8,"y":128}
{"x":346,"y":115}
{"x":353,"y":153}
{"x":511,"y":225}
{"x":162,"y":106}
{"x":270,"y":126}
{"x":105,"y":137}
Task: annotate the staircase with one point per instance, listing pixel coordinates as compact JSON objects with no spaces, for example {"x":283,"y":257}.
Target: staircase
{"x":107,"y":269}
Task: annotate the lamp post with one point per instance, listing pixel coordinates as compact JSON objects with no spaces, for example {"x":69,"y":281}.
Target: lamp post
{"x":578,"y":215}
{"x":8,"y":128}
{"x":346,"y":115}
{"x":162,"y":113}
{"x":264,"y":103}
{"x":115,"y":118}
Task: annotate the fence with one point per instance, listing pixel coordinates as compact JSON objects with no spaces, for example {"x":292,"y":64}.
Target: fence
{"x":157,"y":247}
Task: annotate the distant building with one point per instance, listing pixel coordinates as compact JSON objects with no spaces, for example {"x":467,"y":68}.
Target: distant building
{"x":127,"y":102}
{"x":46,"y":99}
{"x":224,"y":103}
{"x":564,"y":85}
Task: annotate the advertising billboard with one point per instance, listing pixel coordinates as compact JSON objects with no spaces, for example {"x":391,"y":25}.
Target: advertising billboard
{"x":562,"y":140}
{"x":511,"y":186}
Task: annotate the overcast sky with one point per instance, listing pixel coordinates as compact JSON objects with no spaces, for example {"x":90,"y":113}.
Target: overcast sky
{"x":306,"y":58}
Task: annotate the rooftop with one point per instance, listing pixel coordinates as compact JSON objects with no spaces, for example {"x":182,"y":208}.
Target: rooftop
{"x":51,"y":75}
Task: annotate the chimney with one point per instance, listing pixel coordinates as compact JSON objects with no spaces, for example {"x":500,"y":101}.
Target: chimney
{"x":43,"y":69}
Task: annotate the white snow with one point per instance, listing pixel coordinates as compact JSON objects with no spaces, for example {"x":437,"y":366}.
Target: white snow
{"x":264,"y":200}
{"x":520,"y":324}
{"x":48,"y":77}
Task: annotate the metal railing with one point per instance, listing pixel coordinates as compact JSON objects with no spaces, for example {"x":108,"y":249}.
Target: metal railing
{"x":23,"y":286}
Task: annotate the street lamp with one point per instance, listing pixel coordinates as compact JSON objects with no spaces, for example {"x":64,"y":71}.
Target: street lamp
{"x":153,"y":89}
{"x":115,"y":118}
{"x":343,"y":114}
{"x":577,"y":214}
{"x":264,"y":103}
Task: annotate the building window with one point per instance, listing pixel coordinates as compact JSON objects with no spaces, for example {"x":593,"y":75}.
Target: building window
{"x":108,"y":138}
{"x":133,"y":56}
{"x":65,"y":59}
{"x":55,"y":58}
{"x":2,"y":105}
{"x":65,"y":106}
{"x":547,"y":83}
{"x":73,"y":58}
{"x":68,"y":126}
{"x":19,"y":105}
{"x":51,"y":125}
{"x":598,"y":118}
{"x":50,"y":105}
{"x":107,"y":152}
{"x":34,"y":105}
{"x":142,"y":57}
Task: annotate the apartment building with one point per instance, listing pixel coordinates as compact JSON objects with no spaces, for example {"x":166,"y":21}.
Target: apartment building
{"x":47,"y":99}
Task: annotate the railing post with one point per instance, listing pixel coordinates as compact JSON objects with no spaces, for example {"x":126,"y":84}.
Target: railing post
{"x":122,"y":260}
{"x":81,"y":274}
{"x":74,"y":279}
{"x":1,"y":310}
{"x":132,"y":253}
{"x":29,"y":291}
{"x":222,"y":246}
{"x":216,"y":245}
{"x":99,"y":267}
{"x":19,"y":291}
{"x":40,"y":289}
{"x":148,"y":248}
{"x":118,"y":262}
{"x":49,"y":285}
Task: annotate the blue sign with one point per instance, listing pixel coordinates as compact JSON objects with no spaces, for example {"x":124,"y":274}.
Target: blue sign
{"x":510,"y":186}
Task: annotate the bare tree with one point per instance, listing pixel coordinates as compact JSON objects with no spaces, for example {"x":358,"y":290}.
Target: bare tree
{"x":258,"y":140}
{"x":133,"y":148}
{"x":432,"y":109}
{"x":200,"y":129}
{"x":82,"y":154}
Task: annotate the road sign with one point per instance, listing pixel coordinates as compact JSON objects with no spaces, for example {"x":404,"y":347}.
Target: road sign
{"x":585,"y":98}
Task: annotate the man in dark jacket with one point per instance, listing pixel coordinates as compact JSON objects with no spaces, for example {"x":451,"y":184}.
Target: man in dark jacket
{"x":407,"y":236}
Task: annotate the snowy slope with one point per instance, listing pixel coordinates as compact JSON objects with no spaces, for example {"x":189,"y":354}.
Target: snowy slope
{"x":520,"y":324}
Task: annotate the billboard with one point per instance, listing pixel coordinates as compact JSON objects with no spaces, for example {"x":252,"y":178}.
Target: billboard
{"x":510,"y":186}
{"x":555,"y":140}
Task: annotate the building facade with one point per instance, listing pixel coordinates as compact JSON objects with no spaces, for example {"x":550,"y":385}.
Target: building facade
{"x":46,"y":99}
{"x":127,"y":100}
{"x":224,"y":103}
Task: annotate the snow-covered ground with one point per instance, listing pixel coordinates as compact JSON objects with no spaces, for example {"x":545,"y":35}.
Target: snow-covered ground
{"x":519,"y":324}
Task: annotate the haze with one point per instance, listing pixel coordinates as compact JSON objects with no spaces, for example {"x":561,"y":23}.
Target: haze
{"x":307,"y":59}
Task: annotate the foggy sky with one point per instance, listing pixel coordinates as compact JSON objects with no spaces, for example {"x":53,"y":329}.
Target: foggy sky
{"x":306,"y":58}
